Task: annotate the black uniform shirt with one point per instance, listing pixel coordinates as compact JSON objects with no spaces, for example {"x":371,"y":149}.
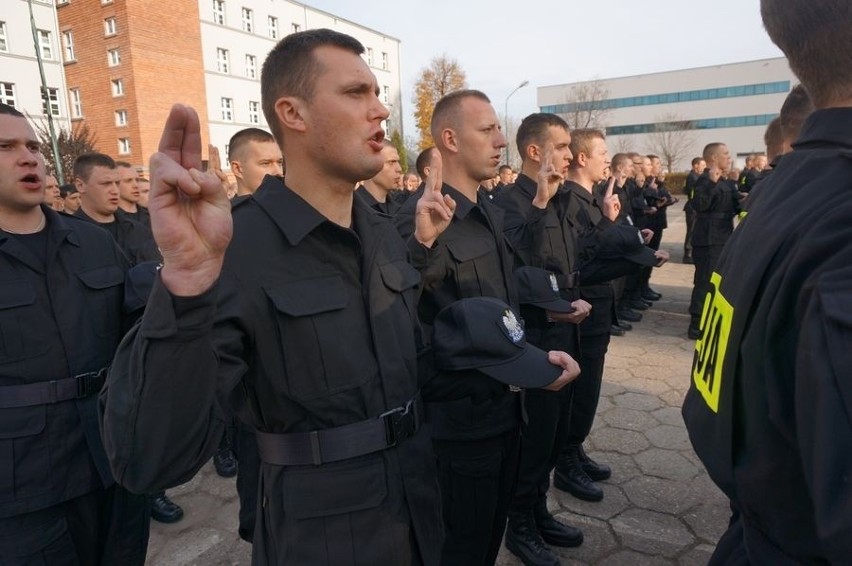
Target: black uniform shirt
{"x":134,"y":239}
{"x":769,"y":410}
{"x":390,"y":206}
{"x":715,"y":205}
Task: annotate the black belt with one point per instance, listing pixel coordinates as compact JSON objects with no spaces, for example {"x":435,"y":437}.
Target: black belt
{"x":568,"y":280}
{"x":343,"y":442}
{"x":49,"y":392}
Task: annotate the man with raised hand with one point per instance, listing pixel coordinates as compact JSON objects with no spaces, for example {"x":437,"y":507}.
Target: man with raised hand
{"x":311,"y":336}
{"x":770,"y":399}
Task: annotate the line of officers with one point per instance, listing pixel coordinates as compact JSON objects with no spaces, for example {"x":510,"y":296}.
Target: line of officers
{"x":373,"y":448}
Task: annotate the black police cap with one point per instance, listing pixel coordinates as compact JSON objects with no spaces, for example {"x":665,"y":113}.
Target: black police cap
{"x":538,"y":287}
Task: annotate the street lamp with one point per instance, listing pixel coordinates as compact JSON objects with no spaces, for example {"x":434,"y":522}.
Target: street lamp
{"x":506,"y":117}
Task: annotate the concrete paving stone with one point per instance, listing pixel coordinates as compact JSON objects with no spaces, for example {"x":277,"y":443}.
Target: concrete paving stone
{"x":623,"y":467}
{"x":645,"y":380}
{"x":664,"y":463}
{"x":673,"y":398}
{"x":633,"y":558}
{"x":709,"y":520}
{"x":608,"y":439}
{"x":698,"y":556}
{"x":669,"y":416}
{"x":677,"y":379}
{"x":197,"y":509}
{"x":187,"y":548}
{"x":669,"y":436}
{"x":630,"y":419}
{"x":663,"y":495}
{"x":693,"y":457}
{"x":229,"y":552}
{"x":598,"y":541}
{"x":604,"y":404}
{"x":639,"y":401}
{"x":618,"y":362}
{"x":613,"y":503}
{"x":226,"y":488}
{"x":652,"y":533}
{"x":609,"y":389}
{"x":618,"y":374}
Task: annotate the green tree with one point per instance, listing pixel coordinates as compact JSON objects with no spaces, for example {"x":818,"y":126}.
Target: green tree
{"x":399,"y":144}
{"x":442,"y":76}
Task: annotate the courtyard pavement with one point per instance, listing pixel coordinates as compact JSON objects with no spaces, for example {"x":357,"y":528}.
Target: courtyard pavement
{"x":659,"y":506}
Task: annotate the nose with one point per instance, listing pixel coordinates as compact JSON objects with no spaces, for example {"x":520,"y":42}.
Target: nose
{"x":501,"y":139}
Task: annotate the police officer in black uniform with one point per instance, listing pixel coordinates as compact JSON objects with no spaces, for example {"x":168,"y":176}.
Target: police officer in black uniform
{"x":311,"y":335}
{"x":716,"y":202}
{"x":768,"y":409}
{"x":698,"y":166}
{"x":474,"y":419}
{"x":61,"y":293}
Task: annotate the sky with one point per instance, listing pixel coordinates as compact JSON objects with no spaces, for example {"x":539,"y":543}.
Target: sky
{"x":500,"y":44}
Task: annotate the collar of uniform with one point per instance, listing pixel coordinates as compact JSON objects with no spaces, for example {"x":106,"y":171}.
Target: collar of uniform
{"x":528,"y":186}
{"x":830,"y":125}
{"x":293,"y":216}
{"x":463,"y":204}
{"x":368,"y":197}
{"x":59,"y":227}
{"x":580,"y":191}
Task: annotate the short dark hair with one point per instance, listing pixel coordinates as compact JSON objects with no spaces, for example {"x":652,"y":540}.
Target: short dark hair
{"x":239,"y":140}
{"x":795,"y":110}
{"x":697,"y":160}
{"x":652,"y":157}
{"x":504,"y":167}
{"x":774,"y":138}
{"x":447,"y":109}
{"x":67,"y":189}
{"x":84,"y":164}
{"x":533,"y":129}
{"x":10,"y":110}
{"x":291,"y":68}
{"x":618,"y":159}
{"x":581,"y":141}
{"x":124,"y":164}
{"x":710,"y":150}
{"x":423,"y":160}
{"x":816,"y":40}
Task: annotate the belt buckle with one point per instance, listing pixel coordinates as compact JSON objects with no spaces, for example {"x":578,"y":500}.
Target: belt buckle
{"x":400,"y":423}
{"x":89,"y":383}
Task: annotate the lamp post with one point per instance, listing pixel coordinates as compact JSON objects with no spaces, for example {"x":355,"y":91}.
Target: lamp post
{"x":506,"y":117}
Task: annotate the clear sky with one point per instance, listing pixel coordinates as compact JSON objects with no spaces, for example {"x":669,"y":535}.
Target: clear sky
{"x":500,"y":44}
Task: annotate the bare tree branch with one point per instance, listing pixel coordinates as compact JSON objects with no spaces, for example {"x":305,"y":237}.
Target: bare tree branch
{"x":672,"y":139}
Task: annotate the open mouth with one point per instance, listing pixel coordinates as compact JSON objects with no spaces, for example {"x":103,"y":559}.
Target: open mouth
{"x":31,"y":178}
{"x":378,"y":137}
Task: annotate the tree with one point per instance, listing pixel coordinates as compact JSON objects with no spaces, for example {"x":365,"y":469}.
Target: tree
{"x":441,"y":77}
{"x":672,"y":139}
{"x":586,"y":105}
{"x":396,"y":140}
{"x":72,"y":143}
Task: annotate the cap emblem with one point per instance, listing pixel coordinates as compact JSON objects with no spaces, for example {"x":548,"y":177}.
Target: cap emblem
{"x":516,"y":332}
{"x":553,"y":284}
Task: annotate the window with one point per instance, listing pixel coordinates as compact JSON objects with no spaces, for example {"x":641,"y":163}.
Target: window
{"x":219,"y":11}
{"x":228,"y":109}
{"x":385,"y":94}
{"x":109,"y":26}
{"x":4,"y":43}
{"x":117,"y":87}
{"x":223,"y":60}
{"x":123,"y":146}
{"x":68,"y":43}
{"x":121,"y":117}
{"x":370,"y":56}
{"x":254,"y":112}
{"x":248,"y":20}
{"x":44,"y":44}
{"x":113,"y":57}
{"x":272,"y":26}
{"x":50,"y":101}
{"x":7,"y":93}
{"x":105,"y":2}
{"x":384,"y":61}
{"x":296,"y":28}
{"x":76,"y":104}
{"x":251,"y":66}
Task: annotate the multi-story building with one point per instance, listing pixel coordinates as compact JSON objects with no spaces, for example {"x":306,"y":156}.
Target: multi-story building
{"x":131,"y":63}
{"x":730,"y":103}
{"x":20,"y":81}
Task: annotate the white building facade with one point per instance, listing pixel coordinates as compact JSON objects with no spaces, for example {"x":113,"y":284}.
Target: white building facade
{"x":20,"y":83}
{"x":236,"y":36}
{"x":730,"y":103}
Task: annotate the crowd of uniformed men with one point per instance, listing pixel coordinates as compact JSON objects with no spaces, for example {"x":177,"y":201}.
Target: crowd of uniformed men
{"x":394,"y":373}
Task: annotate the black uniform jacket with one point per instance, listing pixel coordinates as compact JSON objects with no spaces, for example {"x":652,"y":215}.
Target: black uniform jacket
{"x":471,"y":258}
{"x":769,"y":410}
{"x":389,"y":207}
{"x":689,"y":189}
{"x":310,"y":326}
{"x":58,"y":320}
{"x":142,"y":216}
{"x":134,"y":239}
{"x":715,"y":205}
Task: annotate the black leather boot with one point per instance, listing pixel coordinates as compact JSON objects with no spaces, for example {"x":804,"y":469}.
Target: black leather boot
{"x":570,"y":477}
{"x":164,"y":510}
{"x":524,"y":541}
{"x":595,"y":471}
{"x":554,"y":532}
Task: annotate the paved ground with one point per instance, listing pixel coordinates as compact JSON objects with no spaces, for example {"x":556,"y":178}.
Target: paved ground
{"x":659,"y":507}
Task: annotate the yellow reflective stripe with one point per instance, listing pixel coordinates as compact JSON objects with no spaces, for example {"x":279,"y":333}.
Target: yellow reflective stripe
{"x":717,"y":316}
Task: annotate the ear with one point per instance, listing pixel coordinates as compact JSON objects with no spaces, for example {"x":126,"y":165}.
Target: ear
{"x":237,"y":169}
{"x":291,"y":112}
{"x":450,"y":140}
{"x":581,"y":159}
{"x":78,"y":182}
{"x":533,"y":153}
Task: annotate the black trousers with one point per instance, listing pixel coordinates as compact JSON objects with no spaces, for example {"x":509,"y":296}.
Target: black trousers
{"x":248,"y":477}
{"x":645,"y":272}
{"x":704,"y":258}
{"x":541,"y":442}
{"x":477,"y":479}
{"x":690,"y":225}
{"x":587,"y":387}
{"x":106,"y":527}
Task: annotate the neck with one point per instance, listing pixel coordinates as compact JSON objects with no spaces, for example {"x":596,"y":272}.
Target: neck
{"x":243,"y":190}
{"x":579,"y":177}
{"x":97,"y":216}
{"x":530,"y":169}
{"x":330,"y":197}
{"x":28,"y":221}
{"x":379,"y":193}
{"x":459,"y":180}
{"x":127,"y":206}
